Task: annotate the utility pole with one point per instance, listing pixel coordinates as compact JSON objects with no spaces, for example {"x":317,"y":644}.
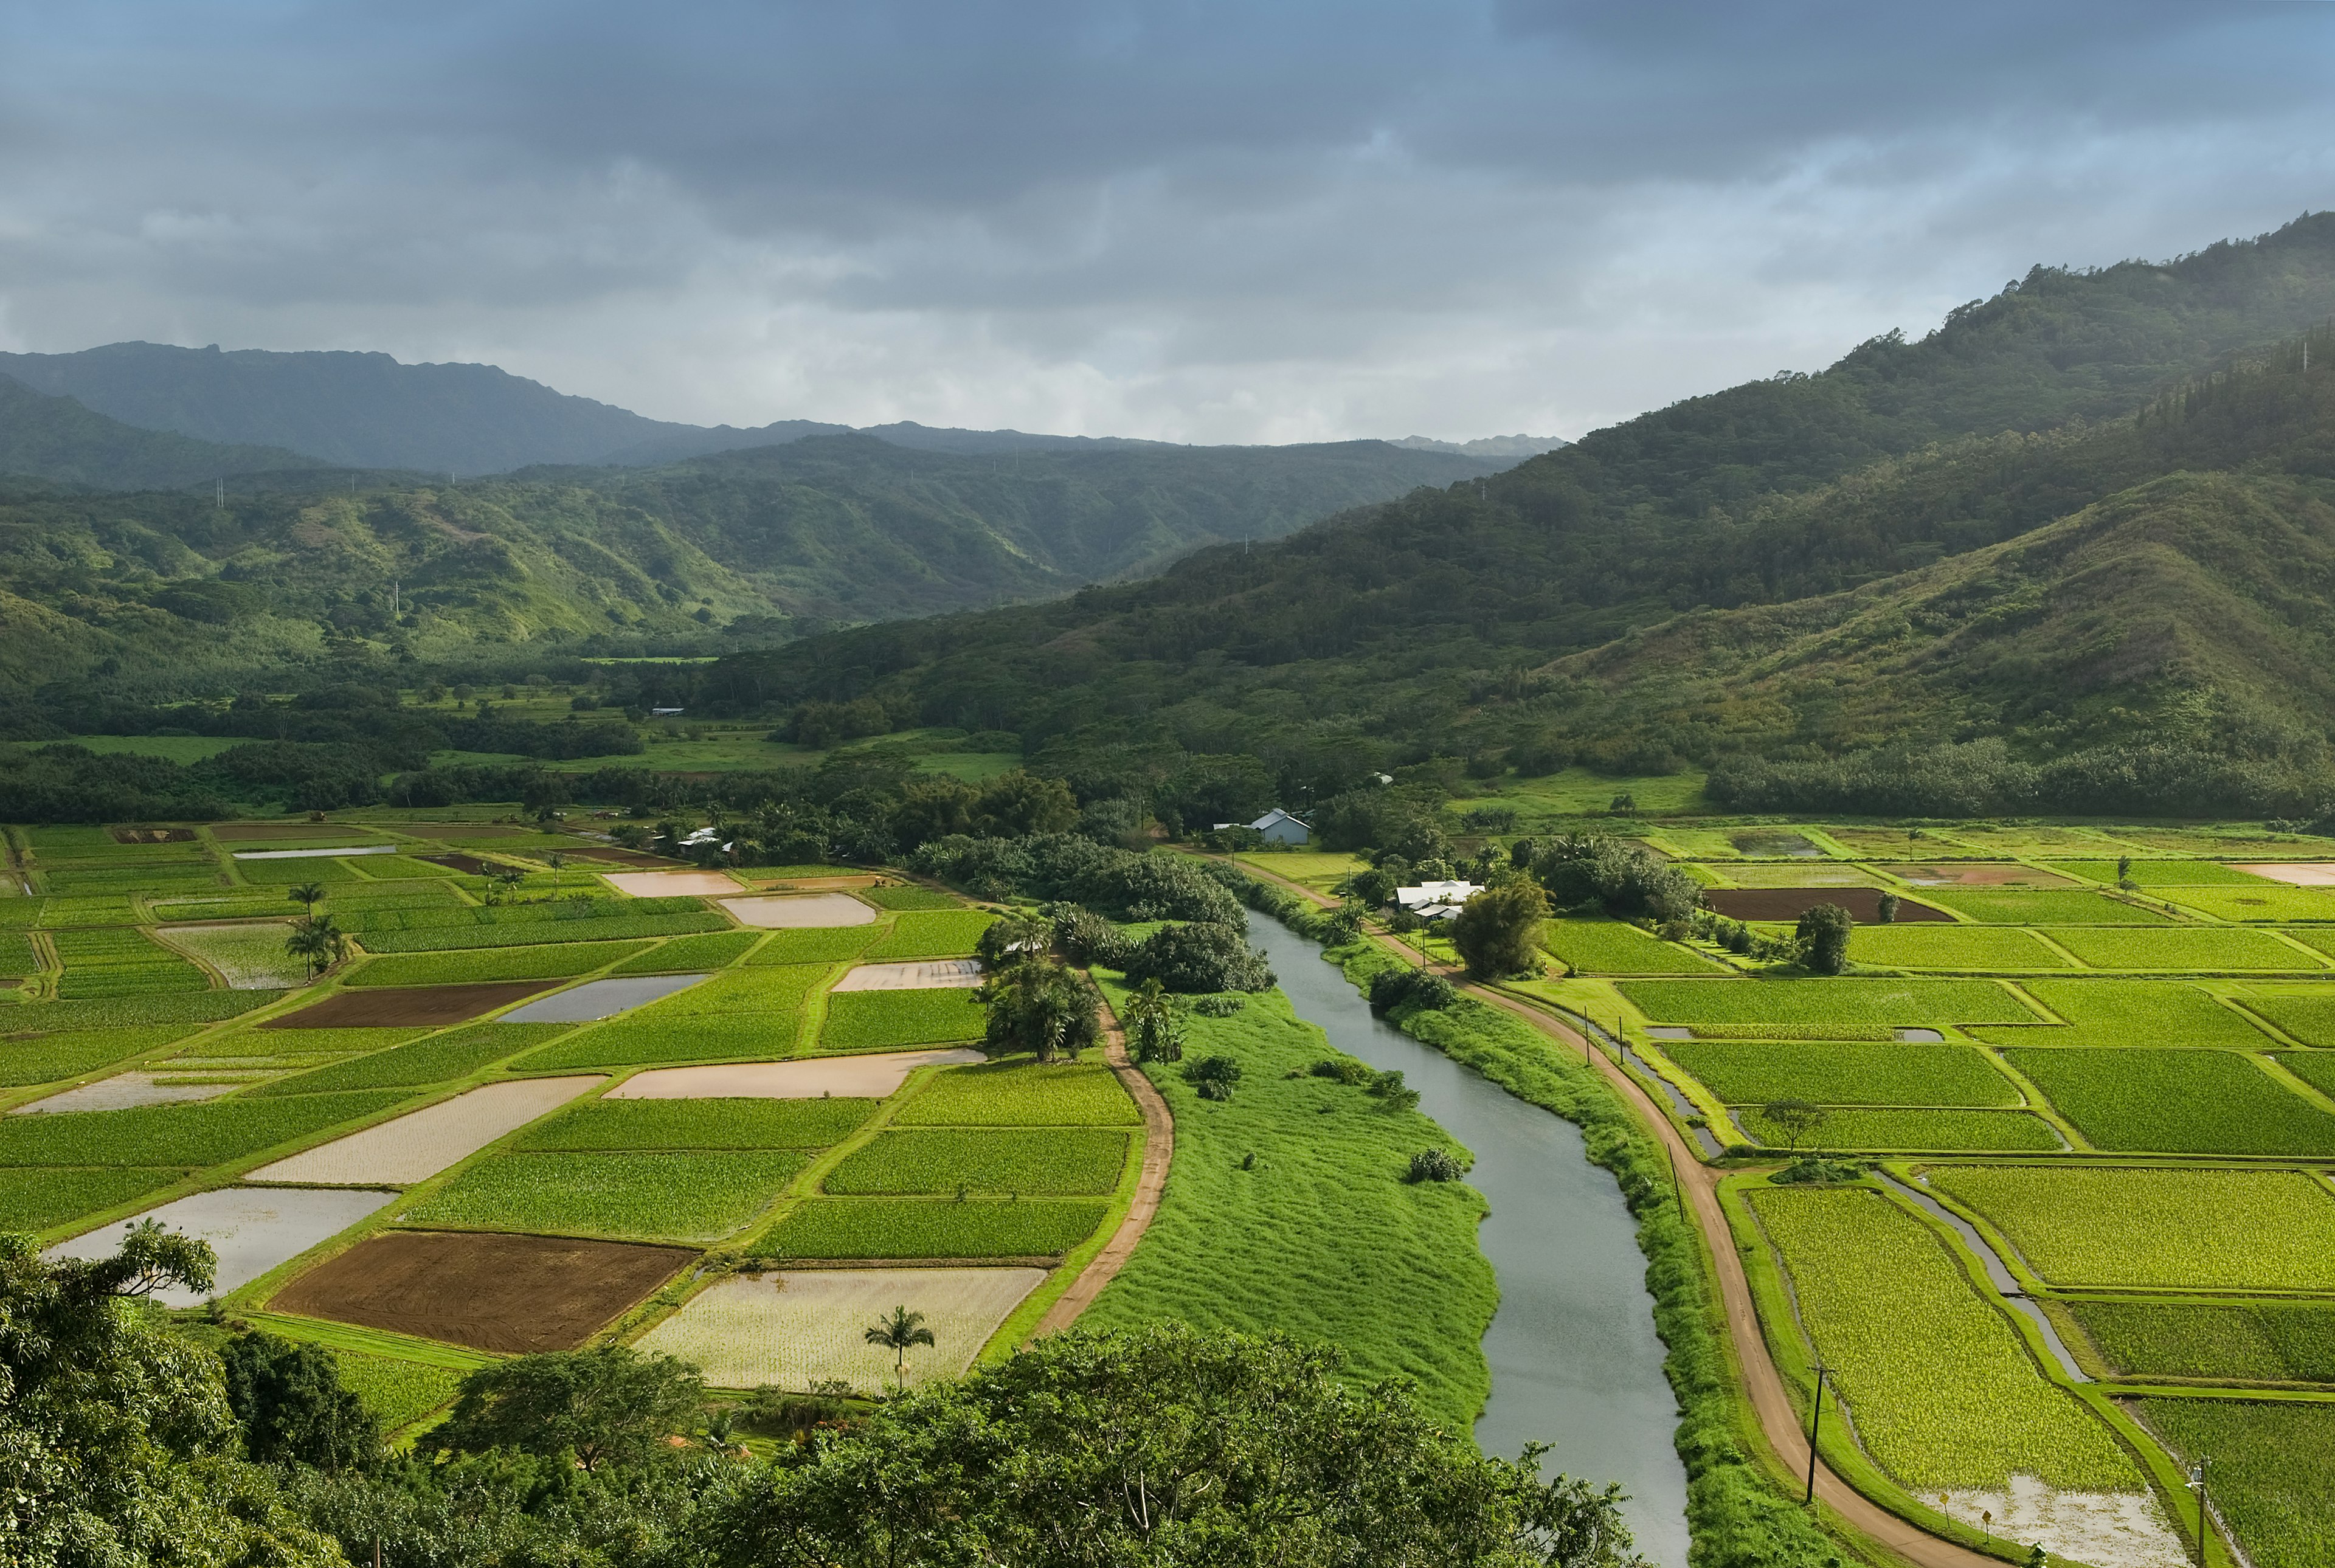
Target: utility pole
{"x":2197,"y":1480}
{"x":1677,"y":1192}
{"x":1816,"y":1425}
{"x":218,"y":498}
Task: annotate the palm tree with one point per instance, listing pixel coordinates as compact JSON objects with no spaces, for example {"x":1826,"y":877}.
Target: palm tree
{"x":318,"y":940}
{"x":898,"y":1332}
{"x":309,"y":894}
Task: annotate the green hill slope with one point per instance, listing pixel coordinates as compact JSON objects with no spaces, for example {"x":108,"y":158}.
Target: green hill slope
{"x":56,"y":438}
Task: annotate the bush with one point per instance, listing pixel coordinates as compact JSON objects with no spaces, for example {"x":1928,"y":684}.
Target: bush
{"x":1217,"y":1006}
{"x":1345,"y":1069}
{"x":1625,"y":879}
{"x":1435,"y":1164}
{"x":1213,"y":1076}
{"x":1823,"y":936}
{"x":1417,"y":988}
{"x":1086,"y":937}
{"x":1199,"y":957}
{"x":1498,"y":932}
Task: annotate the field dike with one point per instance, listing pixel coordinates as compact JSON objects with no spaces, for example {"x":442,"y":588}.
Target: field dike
{"x":1737,"y":1519}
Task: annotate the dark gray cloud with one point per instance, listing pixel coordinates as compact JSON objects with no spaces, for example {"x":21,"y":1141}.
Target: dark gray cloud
{"x":1208,"y":221}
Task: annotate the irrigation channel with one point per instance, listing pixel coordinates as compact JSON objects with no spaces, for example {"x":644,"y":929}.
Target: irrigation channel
{"x":1573,"y":1351}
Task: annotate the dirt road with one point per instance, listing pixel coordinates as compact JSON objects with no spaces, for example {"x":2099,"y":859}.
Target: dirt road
{"x":1158,"y":1148}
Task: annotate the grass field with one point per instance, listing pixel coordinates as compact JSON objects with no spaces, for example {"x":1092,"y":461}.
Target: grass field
{"x":1815,"y":1004}
{"x":1833,"y":1072}
{"x":1617,"y":947}
{"x":2157,"y":1229}
{"x":1051,"y":1162}
{"x":34,"y":1200}
{"x":880,"y":1019}
{"x":937,"y":933}
{"x":2040,"y":907}
{"x":638,"y":1124}
{"x":2273,"y":1473}
{"x":1944,"y":1393}
{"x":2176,"y":1101}
{"x":931,"y":1228}
{"x":1020,"y":1091}
{"x":2131,"y":1013}
{"x":1391,"y":1273}
{"x":176,"y":1135}
{"x":1982,"y":949}
{"x":667,"y":1196}
{"x":2247,"y":1342}
{"x":1919,"y":1131}
{"x":2207,"y":949}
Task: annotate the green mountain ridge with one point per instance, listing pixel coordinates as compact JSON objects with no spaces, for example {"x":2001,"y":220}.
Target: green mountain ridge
{"x":58,"y":439}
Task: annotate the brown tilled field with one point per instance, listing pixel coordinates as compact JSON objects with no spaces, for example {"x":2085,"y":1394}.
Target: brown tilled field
{"x":390,"y":1006}
{"x":1791,"y":903}
{"x":614,"y":856}
{"x":152,"y":835}
{"x":491,"y":1293}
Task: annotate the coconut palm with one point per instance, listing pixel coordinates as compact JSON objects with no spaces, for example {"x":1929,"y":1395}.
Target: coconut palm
{"x":318,"y":940}
{"x":898,"y":1333}
{"x":307,"y":894}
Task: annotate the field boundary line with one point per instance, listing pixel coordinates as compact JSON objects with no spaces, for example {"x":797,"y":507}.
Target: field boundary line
{"x":1159,"y":1152}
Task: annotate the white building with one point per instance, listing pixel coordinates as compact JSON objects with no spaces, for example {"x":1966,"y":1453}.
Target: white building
{"x":1436,"y":900}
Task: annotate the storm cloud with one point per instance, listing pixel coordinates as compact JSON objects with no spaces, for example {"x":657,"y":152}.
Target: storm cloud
{"x":1197,"y":221}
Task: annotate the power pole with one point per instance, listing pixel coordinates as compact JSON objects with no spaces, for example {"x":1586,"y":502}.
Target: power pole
{"x":1816,"y":1425}
{"x":218,"y":498}
{"x":2197,"y":1480}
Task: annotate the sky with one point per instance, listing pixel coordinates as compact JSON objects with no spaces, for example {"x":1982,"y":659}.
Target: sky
{"x":1208,"y":222}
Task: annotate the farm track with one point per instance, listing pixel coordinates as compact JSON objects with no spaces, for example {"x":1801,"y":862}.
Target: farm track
{"x":1158,"y":1147}
{"x":1780,"y":1422}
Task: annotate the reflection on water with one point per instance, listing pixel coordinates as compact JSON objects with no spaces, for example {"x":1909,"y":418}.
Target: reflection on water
{"x":1574,"y":1356}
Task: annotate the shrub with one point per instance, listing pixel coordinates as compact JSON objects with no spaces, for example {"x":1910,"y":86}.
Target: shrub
{"x":1417,"y":988}
{"x":1823,"y":934}
{"x":1435,"y":1164}
{"x":1498,"y":932}
{"x":1199,"y":957}
{"x":1213,"y":1076}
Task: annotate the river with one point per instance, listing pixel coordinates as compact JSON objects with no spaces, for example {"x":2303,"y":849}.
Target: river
{"x":1573,"y":1351}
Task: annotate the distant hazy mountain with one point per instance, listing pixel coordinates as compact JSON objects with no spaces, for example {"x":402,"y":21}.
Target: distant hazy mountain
{"x":1518,"y":447}
{"x":56,"y":438}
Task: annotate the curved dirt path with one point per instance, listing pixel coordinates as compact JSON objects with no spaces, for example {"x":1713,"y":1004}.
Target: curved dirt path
{"x":1778,"y":1422}
{"x":1158,"y":1148}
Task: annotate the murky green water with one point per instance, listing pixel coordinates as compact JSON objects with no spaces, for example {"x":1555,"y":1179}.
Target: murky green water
{"x":1574,"y":1356}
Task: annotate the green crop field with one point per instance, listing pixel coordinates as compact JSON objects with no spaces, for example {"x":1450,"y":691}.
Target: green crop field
{"x":2262,"y":901}
{"x":937,"y":933}
{"x":910,"y":899}
{"x":644,"y":1042}
{"x":34,"y":1200}
{"x":2273,"y":1473}
{"x":17,"y":954}
{"x":1020,"y":1091}
{"x":1049,"y":1162}
{"x":56,"y":913}
{"x":1616,"y":947}
{"x":2246,"y":1341}
{"x":880,"y":1019}
{"x":820,"y":944}
{"x":1918,"y":1131}
{"x":397,"y":1392}
{"x":2164,"y":873}
{"x":684,"y":1196}
{"x":558,"y":961}
{"x":121,"y":961}
{"x":690,"y":955}
{"x":447,"y":937}
{"x":274,"y":1043}
{"x":440,"y":1059}
{"x":205,"y":1133}
{"x":50,"y":1057}
{"x":754,"y":989}
{"x":1834,"y":1072}
{"x":2321,"y":937}
{"x":624,"y":1124}
{"x":250,"y":954}
{"x":193,"y":1008}
{"x":904,"y":1228}
{"x":2176,"y":1101}
{"x":2130,"y":1013}
{"x":2157,"y":1229}
{"x":1944,"y":1390}
{"x":1389,"y":1269}
{"x":1816,"y":1005}
{"x":2309,"y":1015}
{"x":2315,"y":1067}
{"x":2040,"y":907}
{"x":2205,"y":948}
{"x":1983,"y":949}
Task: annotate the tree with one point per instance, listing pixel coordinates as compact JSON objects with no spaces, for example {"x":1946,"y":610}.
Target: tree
{"x":308,"y":895}
{"x":1375,"y":887}
{"x":1197,"y":956}
{"x":1153,"y":1030}
{"x":319,"y":940}
{"x":1159,"y":1445}
{"x":900,"y":1333}
{"x":1498,"y":932}
{"x":1888,"y":908}
{"x":606,"y":1405}
{"x":1823,"y":935}
{"x":1795,"y":1119}
{"x":289,"y":1400}
{"x":1017,"y":804}
{"x":1042,"y":1007}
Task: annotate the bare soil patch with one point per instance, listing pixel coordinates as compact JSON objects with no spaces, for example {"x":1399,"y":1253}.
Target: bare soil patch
{"x":2295,"y":874}
{"x":418,"y":1005}
{"x":418,"y":1145}
{"x":467,"y":864}
{"x":844,"y":1077}
{"x":799,"y":910}
{"x":152,"y":834}
{"x":1791,"y":903}
{"x":514,"y":1294}
{"x":670,"y":884}
{"x":931,"y":974}
{"x":1979,"y":876}
{"x":613,"y":856}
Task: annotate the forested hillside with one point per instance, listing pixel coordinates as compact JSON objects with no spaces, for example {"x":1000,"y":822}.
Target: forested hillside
{"x":57,"y":439}
{"x":1443,"y":622}
{"x":295,"y":578}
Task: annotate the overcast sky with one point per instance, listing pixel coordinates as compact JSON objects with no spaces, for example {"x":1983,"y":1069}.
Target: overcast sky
{"x":1236,"y":222}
